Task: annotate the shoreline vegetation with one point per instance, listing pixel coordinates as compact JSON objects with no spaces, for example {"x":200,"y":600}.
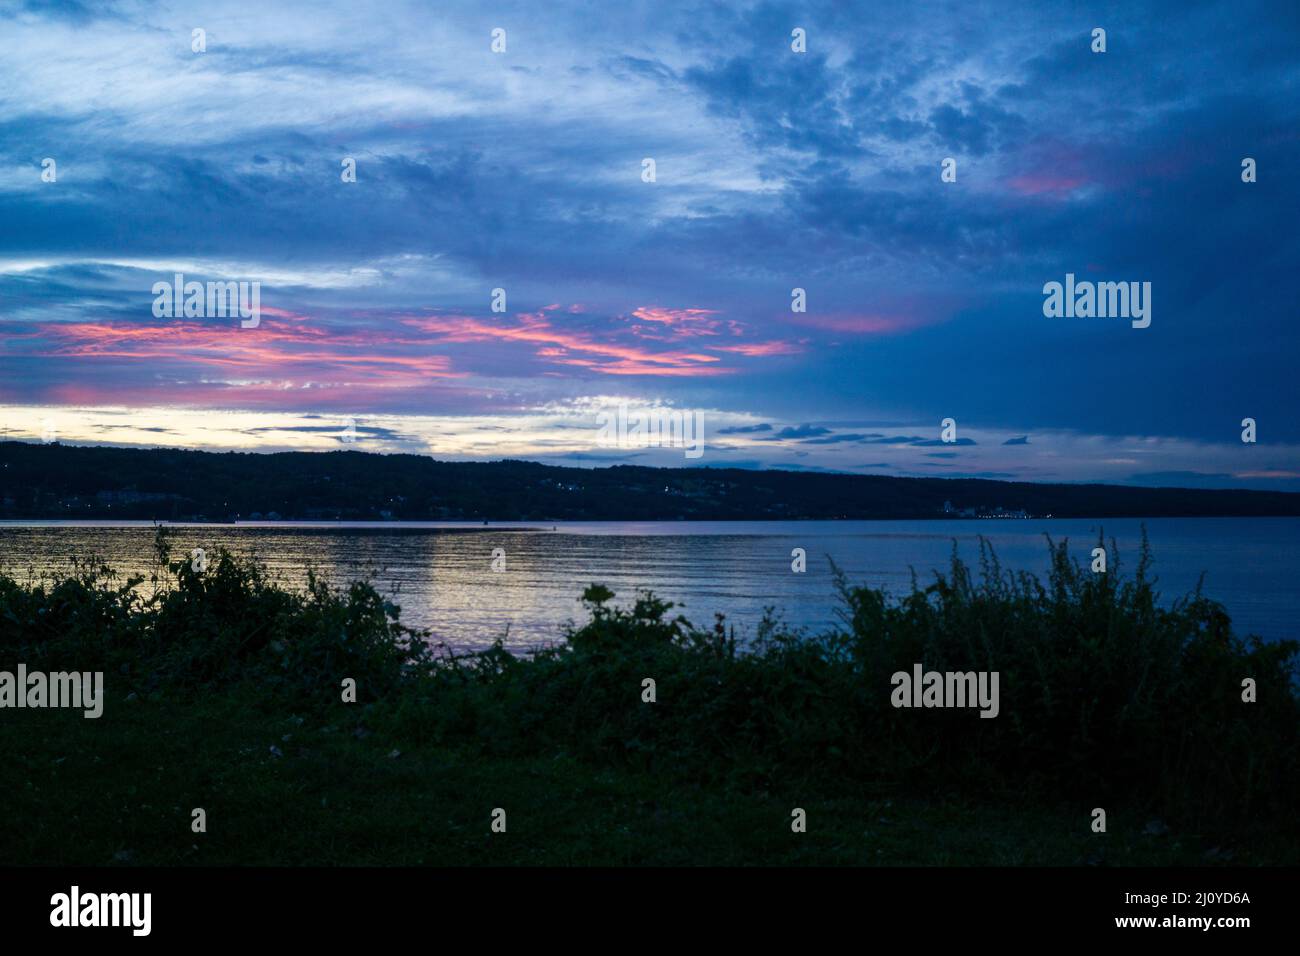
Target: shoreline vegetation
{"x":224,"y":690}
{"x":55,"y":481}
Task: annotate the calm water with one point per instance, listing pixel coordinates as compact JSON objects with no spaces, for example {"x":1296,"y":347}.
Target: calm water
{"x":441,"y":573}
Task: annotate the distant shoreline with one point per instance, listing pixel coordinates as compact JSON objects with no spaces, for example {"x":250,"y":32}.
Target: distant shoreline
{"x":576,"y":525}
{"x":58,"y":482}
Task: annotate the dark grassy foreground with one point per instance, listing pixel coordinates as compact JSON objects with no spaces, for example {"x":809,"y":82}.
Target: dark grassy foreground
{"x":223,"y":692}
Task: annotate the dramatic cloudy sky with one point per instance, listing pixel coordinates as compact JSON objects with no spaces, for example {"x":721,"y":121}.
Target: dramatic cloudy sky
{"x":522,"y":170}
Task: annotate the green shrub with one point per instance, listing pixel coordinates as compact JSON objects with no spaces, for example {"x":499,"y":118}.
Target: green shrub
{"x":1108,"y":696}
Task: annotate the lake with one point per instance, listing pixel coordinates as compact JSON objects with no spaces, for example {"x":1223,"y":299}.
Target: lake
{"x":441,"y":572}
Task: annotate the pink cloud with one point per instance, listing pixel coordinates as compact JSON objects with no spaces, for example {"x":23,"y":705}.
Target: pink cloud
{"x":668,"y":324}
{"x":755,"y":349}
{"x":572,"y":347}
{"x":653,"y":313}
{"x":275,"y":350}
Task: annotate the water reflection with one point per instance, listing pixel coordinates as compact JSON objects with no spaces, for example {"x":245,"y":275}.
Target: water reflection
{"x":443,"y":578}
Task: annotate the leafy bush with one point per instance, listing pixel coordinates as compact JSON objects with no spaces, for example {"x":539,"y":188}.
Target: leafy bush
{"x":197,"y":631}
{"x":1107,"y":696}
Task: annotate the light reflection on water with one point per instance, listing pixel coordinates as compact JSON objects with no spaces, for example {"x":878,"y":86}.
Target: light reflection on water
{"x":441,"y":574}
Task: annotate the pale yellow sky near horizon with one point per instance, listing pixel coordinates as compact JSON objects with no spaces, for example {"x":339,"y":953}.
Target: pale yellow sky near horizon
{"x":570,"y":435}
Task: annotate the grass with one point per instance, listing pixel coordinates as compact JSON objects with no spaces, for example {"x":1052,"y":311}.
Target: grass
{"x":124,"y":796}
{"x":223,"y":692}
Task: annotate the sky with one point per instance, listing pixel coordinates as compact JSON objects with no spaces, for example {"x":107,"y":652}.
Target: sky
{"x":524,"y":170}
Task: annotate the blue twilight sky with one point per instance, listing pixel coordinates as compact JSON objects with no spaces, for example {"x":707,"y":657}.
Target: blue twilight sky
{"x":522,"y":170}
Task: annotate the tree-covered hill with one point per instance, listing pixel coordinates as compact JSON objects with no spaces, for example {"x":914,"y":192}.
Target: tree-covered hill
{"x":62,"y":481}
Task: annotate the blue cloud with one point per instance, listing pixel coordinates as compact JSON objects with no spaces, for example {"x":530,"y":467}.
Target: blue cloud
{"x":776,"y":170}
